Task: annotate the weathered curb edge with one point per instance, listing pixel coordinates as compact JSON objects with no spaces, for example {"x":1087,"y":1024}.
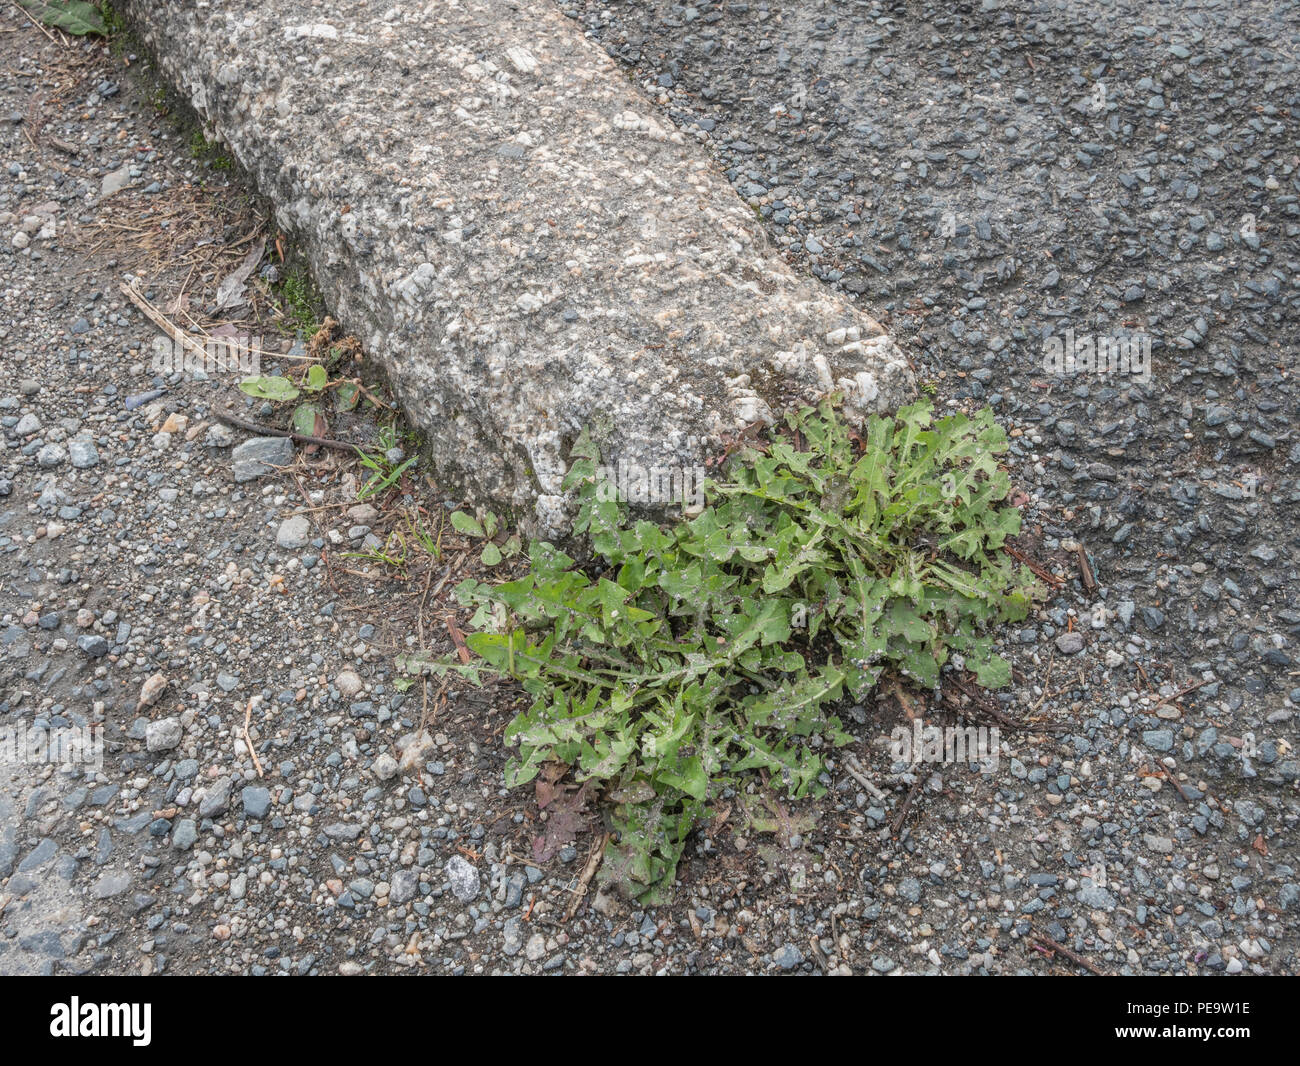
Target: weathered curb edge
{"x":526,"y":248}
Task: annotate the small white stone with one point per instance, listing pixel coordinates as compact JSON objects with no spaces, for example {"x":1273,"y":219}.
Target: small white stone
{"x":312,"y":29}
{"x":294,"y":532}
{"x":115,"y":182}
{"x":163,"y":735}
{"x":521,"y":59}
{"x":219,"y":436}
{"x":384,"y":767}
{"x":348,"y":683}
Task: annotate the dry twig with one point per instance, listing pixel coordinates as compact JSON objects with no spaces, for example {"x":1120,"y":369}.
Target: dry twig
{"x":1079,"y":960}
{"x":907,"y":806}
{"x":268,"y":431}
{"x":248,"y":718}
{"x":588,"y":872}
{"x":855,"y":771}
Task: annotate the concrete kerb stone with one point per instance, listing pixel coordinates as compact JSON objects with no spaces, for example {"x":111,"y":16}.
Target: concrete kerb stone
{"x":523,"y":244}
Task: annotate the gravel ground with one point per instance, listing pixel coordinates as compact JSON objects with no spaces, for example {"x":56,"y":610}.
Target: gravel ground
{"x":960,"y":173}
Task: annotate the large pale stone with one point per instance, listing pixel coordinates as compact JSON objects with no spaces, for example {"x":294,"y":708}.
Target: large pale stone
{"x":515,"y":234}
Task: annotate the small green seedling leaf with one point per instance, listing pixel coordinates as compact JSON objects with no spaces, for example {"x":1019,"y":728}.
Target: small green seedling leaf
{"x":73,"y":16}
{"x":317,"y":378}
{"x":271,"y":387}
{"x":467,"y":524}
{"x":346,"y":396}
{"x":305,"y":419}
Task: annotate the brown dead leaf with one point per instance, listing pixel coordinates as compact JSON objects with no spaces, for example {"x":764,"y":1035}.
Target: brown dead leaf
{"x":230,"y":293}
{"x":547,"y":786}
{"x":458,"y":638}
{"x":566,"y":821}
